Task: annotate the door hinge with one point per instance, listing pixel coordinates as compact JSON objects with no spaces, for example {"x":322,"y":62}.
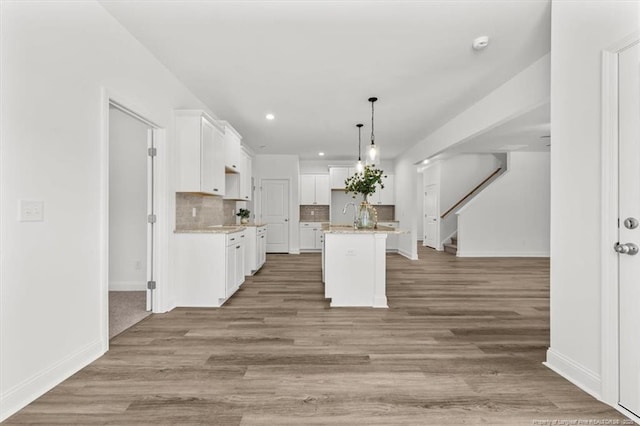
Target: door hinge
{"x":151,"y":285}
{"x":152,"y":218}
{"x":152,"y":152}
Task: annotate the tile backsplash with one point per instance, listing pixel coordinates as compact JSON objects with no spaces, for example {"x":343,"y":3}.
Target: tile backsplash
{"x":210,"y":210}
{"x":314,"y":213}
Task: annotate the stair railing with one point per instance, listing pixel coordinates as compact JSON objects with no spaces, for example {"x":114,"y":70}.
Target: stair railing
{"x":470,"y":193}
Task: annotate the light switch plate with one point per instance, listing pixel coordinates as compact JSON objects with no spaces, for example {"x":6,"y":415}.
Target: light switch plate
{"x":30,"y":211}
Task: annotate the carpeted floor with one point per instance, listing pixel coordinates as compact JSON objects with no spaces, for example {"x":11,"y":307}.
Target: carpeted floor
{"x":126,"y":308}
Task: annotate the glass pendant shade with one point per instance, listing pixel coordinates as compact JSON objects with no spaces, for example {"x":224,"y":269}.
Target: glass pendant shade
{"x":359,"y":166}
{"x":373,"y":153}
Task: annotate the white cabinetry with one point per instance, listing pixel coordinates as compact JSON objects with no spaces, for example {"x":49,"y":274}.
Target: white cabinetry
{"x":245,"y":177}
{"x":339,"y":174}
{"x":392,"y":239}
{"x":314,"y":189}
{"x":311,"y":236}
{"x":385,"y":196}
{"x":200,"y":141}
{"x":208,"y":266}
{"x":238,"y":184}
{"x":256,"y":249}
{"x":232,"y":153}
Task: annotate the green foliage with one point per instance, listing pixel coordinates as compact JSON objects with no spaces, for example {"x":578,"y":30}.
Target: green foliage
{"x":244,"y":213}
{"x":365,"y":182}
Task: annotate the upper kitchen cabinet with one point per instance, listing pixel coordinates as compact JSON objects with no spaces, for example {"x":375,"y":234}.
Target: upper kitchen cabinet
{"x":338,"y":175}
{"x":233,"y":150}
{"x":245,"y":176}
{"x":314,"y":189}
{"x":385,"y":196}
{"x":238,"y":184}
{"x":200,"y":141}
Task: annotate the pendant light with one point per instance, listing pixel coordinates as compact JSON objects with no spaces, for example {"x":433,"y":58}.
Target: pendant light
{"x":373,"y":149}
{"x":359,"y":165}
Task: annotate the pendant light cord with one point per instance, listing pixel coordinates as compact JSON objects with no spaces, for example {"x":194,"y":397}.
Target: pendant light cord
{"x":373,"y":138}
{"x":359,"y":141}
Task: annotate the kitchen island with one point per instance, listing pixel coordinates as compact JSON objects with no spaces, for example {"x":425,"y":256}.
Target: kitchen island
{"x":354,"y":265}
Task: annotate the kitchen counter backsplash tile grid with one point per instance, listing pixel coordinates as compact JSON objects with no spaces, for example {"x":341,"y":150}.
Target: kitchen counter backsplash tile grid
{"x":386,"y":213}
{"x":210,"y":210}
{"x":320,"y":213}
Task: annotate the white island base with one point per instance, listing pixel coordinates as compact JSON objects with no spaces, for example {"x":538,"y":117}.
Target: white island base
{"x":355,"y":268}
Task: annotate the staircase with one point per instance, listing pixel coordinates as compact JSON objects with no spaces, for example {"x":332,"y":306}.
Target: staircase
{"x":451,"y":247}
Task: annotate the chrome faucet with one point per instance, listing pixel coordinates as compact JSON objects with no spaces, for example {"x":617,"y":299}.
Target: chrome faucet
{"x":355,"y":213}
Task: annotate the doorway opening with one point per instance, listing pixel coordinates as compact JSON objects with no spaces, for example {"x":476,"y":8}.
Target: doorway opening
{"x":131,"y":219}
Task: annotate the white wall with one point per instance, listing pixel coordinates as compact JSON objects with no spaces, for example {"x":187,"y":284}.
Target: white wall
{"x":282,"y":167}
{"x":459,"y":175}
{"x":580,"y":32}
{"x":510,"y":217}
{"x":127,"y":202}
{"x":57,"y":57}
{"x":322,"y":166}
{"x":525,"y":92}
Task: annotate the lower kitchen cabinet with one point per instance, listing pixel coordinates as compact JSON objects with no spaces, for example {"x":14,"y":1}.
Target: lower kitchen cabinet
{"x":392,"y":239}
{"x":255,"y":249}
{"x":311,"y":236}
{"x":210,"y":267}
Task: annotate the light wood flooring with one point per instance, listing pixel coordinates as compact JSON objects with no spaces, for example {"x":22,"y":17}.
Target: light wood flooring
{"x":461,"y":343}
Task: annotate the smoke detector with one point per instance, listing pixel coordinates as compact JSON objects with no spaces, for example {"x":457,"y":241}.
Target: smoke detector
{"x":480,"y":43}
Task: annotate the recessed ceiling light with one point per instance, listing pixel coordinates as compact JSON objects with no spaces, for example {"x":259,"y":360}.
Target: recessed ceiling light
{"x":480,"y":43}
{"x":270,"y":116}
{"x":321,"y":154}
{"x":426,"y":161}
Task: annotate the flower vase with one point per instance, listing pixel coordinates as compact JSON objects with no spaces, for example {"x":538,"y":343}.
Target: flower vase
{"x":366,"y":216}
{"x":244,"y":220}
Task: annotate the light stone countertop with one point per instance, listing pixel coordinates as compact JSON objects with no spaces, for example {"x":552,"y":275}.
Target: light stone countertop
{"x":347,"y":229}
{"x":212,"y":230}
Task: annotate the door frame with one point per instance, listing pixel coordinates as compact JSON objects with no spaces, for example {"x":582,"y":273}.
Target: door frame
{"x":609,"y":338}
{"x":161,"y":226}
{"x":438,"y":243}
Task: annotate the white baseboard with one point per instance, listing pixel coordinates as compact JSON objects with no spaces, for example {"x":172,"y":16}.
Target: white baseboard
{"x":127,"y":285}
{"x":580,"y":376}
{"x":29,"y":390}
{"x":407,"y":254}
{"x":462,"y":253}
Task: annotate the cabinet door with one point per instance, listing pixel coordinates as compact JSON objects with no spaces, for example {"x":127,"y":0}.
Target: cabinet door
{"x":239,"y":265}
{"x":307,"y":189}
{"x":319,"y":236}
{"x":387,"y":194}
{"x":323,"y":192}
{"x":262,"y":250}
{"x":307,"y":238}
{"x":337,"y":176}
{"x":211,"y":159}
{"x":230,"y":270}
{"x":245,"y":177}
{"x":232,"y":150}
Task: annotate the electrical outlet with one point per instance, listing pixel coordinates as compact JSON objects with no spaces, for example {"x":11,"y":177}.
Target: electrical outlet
{"x":313,"y":213}
{"x":30,"y":211}
{"x":351,"y":252}
{"x":194,"y":212}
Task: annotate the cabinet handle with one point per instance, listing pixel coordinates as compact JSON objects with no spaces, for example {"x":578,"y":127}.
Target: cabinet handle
{"x":237,"y":247}
{"x":233,"y":165}
{"x":246,"y":196}
{"x":262,"y":236}
{"x":215,"y":189}
{"x":233,"y":239}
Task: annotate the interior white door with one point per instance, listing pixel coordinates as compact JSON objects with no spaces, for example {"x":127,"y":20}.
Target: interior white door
{"x":275,"y":214}
{"x":629,"y":208}
{"x":431,"y":221}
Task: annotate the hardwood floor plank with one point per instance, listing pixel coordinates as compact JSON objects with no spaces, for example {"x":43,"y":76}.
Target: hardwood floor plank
{"x":462,"y":342}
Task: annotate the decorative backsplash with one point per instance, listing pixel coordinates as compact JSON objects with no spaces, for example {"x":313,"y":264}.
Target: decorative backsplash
{"x":386,"y":213}
{"x":210,"y":210}
{"x":314,"y":213}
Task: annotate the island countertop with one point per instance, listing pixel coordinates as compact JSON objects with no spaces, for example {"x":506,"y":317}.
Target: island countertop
{"x":211,"y":230}
{"x":347,"y":229}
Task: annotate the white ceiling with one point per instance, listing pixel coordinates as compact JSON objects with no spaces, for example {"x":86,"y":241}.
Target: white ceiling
{"x":314,"y":63}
